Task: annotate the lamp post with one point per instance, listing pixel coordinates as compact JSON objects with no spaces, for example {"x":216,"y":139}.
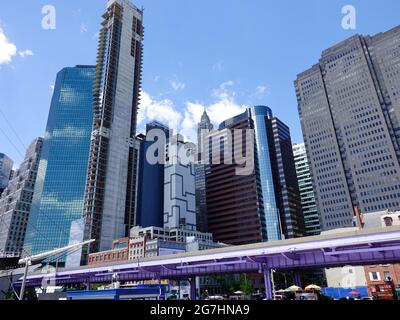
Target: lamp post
{"x":28,"y":261}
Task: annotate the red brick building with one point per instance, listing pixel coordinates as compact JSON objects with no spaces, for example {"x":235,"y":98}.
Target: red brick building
{"x":118,"y":253}
{"x":382,"y":279}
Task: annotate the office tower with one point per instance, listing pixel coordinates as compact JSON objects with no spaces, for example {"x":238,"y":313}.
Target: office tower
{"x":60,"y":185}
{"x":255,"y":207}
{"x":289,"y":200}
{"x":308,"y":204}
{"x":111,"y":181}
{"x":15,"y":202}
{"x":6,"y":165}
{"x":179,"y":185}
{"x":349,"y":108}
{"x":203,"y":128}
{"x":150,"y":189}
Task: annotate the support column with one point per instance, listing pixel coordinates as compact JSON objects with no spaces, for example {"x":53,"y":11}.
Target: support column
{"x":268,"y":284}
{"x":193,"y":290}
{"x":87,"y":284}
{"x":297,"y":278}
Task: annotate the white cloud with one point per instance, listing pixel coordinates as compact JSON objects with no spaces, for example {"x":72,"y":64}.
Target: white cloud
{"x":224,"y":108}
{"x":25,"y":53}
{"x":223,"y":92}
{"x":177,"y":86}
{"x":185,"y":121}
{"x":83,"y":28}
{"x":261,"y":92}
{"x":162,"y":110}
{"x":217,"y":67}
{"x":7,"y":49}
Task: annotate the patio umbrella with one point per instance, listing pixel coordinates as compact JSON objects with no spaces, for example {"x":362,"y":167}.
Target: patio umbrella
{"x":354,"y":293}
{"x":239,"y":292}
{"x":294,"y":288}
{"x":313,"y":287}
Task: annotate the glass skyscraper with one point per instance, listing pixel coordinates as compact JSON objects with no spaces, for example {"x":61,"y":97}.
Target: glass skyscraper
{"x":60,"y":185}
{"x":308,"y":204}
{"x":349,"y":108}
{"x":263,"y":205}
{"x":150,"y":186}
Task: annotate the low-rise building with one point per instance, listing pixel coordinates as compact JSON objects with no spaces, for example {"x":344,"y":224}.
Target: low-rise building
{"x":137,"y":248}
{"x":118,"y":253}
{"x":382,"y":279}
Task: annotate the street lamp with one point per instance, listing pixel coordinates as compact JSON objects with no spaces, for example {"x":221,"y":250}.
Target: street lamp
{"x":28,"y":261}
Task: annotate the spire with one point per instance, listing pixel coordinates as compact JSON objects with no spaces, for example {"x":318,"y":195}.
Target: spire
{"x":205,"y":118}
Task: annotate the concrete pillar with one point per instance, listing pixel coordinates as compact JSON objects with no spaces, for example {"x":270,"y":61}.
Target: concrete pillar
{"x":87,"y":284}
{"x":193,"y":289}
{"x":268,"y":284}
{"x":297,"y":278}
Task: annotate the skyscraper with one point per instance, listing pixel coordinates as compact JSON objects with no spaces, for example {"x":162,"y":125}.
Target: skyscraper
{"x":204,"y":127}
{"x":289,"y":200}
{"x":263,"y":205}
{"x":60,"y":185}
{"x":349,"y":105}
{"x":16,"y":200}
{"x":179,"y":186}
{"x":6,"y":165}
{"x":150,"y":194}
{"x":111,"y":180}
{"x":308,"y":204}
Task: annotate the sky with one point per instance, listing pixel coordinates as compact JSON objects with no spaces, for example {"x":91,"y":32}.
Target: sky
{"x":220,"y":55}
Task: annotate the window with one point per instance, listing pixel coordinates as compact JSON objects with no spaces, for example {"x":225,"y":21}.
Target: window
{"x":387,"y":276}
{"x":374,"y":276}
{"x":388,"y":221}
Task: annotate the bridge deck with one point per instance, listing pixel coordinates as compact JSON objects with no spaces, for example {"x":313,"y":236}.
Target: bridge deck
{"x":374,"y":246}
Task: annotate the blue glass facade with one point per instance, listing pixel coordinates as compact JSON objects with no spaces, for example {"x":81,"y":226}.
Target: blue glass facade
{"x":60,"y":186}
{"x":260,"y":115}
{"x":150,"y":202}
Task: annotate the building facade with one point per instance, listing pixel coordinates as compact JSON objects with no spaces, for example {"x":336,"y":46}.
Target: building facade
{"x":119,"y":252}
{"x":264,"y":204}
{"x":179,"y":186}
{"x":288,"y":192}
{"x":349,"y":108}
{"x":308,"y":204}
{"x":6,"y":165}
{"x":172,"y":235}
{"x":60,"y":187}
{"x":111,"y":180}
{"x":16,"y":201}
{"x":150,"y":182}
{"x":382,"y":280}
{"x":203,"y":128}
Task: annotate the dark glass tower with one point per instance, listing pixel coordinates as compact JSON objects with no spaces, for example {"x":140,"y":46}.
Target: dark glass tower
{"x":60,"y":186}
{"x":150,"y":194}
{"x":265,"y":204}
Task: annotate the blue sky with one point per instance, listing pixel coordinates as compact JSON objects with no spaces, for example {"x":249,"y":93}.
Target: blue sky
{"x":221,"y":55}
